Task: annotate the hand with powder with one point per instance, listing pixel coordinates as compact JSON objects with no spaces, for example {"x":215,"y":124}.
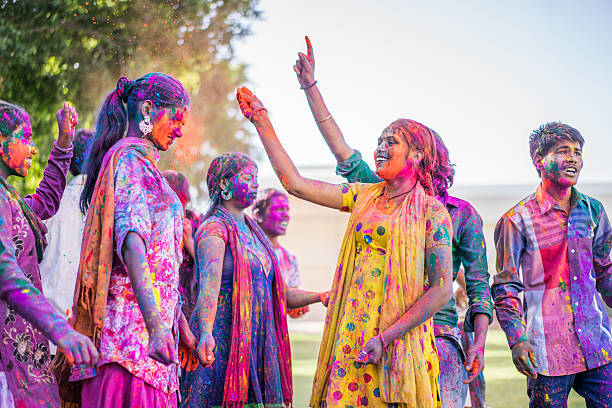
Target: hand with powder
{"x":249,"y":104}
{"x":305,"y":65}
{"x":78,"y":349}
{"x":524,"y":359}
{"x":162,"y":345}
{"x":324,"y":298}
{"x":67,"y":120}
{"x":298,"y":312}
{"x":371,"y":353}
{"x":206,"y":350}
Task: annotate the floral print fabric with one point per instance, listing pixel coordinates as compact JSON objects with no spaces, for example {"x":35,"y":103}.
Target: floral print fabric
{"x":24,"y":350}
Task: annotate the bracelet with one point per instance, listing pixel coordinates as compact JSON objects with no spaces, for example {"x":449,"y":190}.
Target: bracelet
{"x":308,"y":86}
{"x":323,"y":120}
{"x":382,"y":341}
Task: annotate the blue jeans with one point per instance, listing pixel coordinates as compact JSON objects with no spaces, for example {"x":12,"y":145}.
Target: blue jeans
{"x":551,"y":392}
{"x":453,"y":391}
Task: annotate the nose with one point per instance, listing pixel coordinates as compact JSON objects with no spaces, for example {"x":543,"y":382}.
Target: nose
{"x":573,"y":157}
{"x":33,"y":149}
{"x":178,"y":133}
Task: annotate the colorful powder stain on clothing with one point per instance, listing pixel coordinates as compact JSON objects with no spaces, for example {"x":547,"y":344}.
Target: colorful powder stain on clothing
{"x":559,"y":259}
{"x":24,"y":350}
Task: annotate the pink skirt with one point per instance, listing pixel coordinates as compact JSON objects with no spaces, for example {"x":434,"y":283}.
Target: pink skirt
{"x":114,"y":386}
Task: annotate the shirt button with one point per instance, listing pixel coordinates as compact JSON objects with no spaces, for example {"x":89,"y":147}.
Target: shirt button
{"x":579,"y":330}
{"x":575,"y":278}
{"x":576,"y":303}
{"x":573,"y":250}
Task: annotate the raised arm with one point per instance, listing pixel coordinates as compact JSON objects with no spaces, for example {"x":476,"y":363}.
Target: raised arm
{"x":304,"y":68}
{"x":209,"y":266}
{"x":46,"y":200}
{"x":318,"y":192}
{"x":351,"y":166}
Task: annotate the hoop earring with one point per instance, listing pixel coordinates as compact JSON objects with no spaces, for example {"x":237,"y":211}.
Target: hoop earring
{"x":226,"y":194}
{"x":145,"y":125}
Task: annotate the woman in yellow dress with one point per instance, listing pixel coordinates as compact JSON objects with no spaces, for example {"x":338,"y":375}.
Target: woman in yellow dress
{"x":394,"y":270}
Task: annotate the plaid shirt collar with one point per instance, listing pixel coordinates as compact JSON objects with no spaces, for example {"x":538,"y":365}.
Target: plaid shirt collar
{"x":546,"y":202}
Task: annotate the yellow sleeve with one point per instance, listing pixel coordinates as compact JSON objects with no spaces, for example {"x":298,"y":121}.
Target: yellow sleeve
{"x":349,"y":195}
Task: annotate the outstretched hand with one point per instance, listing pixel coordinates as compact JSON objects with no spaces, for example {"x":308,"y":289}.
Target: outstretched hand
{"x":249,"y":104}
{"x":305,"y":65}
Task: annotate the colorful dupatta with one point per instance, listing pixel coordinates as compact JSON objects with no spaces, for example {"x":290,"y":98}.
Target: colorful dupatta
{"x":237,"y":375}
{"x":38,"y":228}
{"x":91,"y":291}
{"x":403,"y":372}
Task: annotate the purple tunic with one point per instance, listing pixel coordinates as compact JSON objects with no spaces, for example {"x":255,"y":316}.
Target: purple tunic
{"x":24,"y":350}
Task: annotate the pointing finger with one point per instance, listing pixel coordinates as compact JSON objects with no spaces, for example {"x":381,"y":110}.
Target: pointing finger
{"x":309,"y":50}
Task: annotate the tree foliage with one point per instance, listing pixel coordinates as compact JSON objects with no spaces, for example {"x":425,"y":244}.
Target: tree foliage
{"x":56,"y":50}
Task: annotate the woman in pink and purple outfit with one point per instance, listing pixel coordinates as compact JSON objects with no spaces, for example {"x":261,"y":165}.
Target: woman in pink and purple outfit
{"x":127,"y":298}
{"x":27,"y":319}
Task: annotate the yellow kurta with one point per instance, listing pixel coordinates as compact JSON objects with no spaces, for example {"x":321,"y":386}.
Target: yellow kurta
{"x":350,"y":384}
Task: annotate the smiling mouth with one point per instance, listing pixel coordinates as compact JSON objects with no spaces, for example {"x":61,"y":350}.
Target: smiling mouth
{"x":283,"y":224}
{"x":570,"y":171}
{"x":381,"y":159}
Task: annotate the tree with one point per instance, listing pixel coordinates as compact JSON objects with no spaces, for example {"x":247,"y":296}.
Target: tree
{"x":56,"y":50}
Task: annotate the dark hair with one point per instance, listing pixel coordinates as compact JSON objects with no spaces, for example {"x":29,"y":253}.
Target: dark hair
{"x":79,"y":150}
{"x":549,"y":134}
{"x":260,"y":206}
{"x":444,"y":173}
{"x":178,"y":183}
{"x":223,"y":167}
{"x":161,"y":89}
{"x":11,"y":116}
{"x":421,"y":137}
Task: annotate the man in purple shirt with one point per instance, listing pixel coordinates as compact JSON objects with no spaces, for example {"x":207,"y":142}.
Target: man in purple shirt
{"x":554,"y":246}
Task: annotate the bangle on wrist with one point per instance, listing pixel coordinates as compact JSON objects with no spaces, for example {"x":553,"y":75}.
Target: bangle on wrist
{"x":382,"y":341}
{"x":324,"y":119}
{"x":308,"y":86}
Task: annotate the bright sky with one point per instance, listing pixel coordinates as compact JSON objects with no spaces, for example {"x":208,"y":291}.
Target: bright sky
{"x":483,"y":74}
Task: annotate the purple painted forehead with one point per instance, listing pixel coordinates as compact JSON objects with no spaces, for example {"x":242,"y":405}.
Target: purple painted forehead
{"x":226,"y":166}
{"x":11,"y":119}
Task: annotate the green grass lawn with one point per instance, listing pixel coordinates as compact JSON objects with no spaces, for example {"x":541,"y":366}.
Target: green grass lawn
{"x":506,"y":388}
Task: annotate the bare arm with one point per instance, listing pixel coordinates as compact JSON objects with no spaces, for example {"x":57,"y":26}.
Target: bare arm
{"x":438,"y":263}
{"x":300,"y":298}
{"x":318,"y":192}
{"x":304,"y":69}
{"x":210,"y":252}
{"x":161,"y":342}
